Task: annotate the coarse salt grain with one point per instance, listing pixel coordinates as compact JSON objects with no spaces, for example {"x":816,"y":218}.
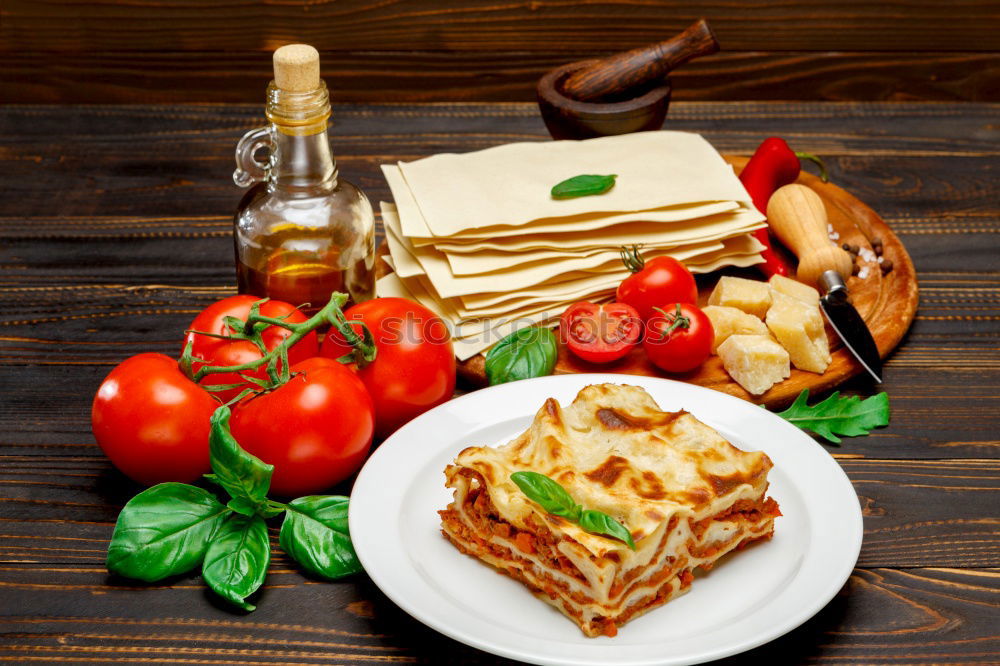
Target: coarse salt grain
{"x":834,"y":235}
{"x":880,"y":260}
{"x":863,"y":273}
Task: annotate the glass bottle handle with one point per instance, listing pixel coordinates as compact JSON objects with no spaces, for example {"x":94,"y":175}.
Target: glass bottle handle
{"x":249,"y":169}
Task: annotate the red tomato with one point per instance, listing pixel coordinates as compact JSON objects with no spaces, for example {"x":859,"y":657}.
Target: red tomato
{"x":414,"y":366}
{"x":600,"y":333}
{"x":152,"y":421}
{"x":657,"y":281}
{"x":215,"y":351}
{"x":679,"y":337}
{"x":316,"y":429}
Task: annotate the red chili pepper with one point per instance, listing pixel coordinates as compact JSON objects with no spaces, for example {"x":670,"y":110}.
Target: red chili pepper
{"x":773,"y":165}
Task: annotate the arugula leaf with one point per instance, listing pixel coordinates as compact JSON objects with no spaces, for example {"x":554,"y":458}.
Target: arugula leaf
{"x":548,"y":494}
{"x":237,"y":559}
{"x":583,"y":185}
{"x":164,"y":531}
{"x":551,"y":496}
{"x":525,"y":353}
{"x":244,"y":476}
{"x":598,"y":522}
{"x":848,"y":416}
{"x":314,"y":533}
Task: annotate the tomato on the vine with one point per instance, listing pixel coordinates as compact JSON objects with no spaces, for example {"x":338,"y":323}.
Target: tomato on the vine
{"x":414,"y":366}
{"x":152,"y":421}
{"x":600,"y":333}
{"x":316,"y":429}
{"x":209,"y":350}
{"x":655,"y":282}
{"x":678,"y":337}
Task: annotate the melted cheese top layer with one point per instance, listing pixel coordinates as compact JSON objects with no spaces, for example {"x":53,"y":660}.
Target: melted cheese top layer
{"x":615,"y":451}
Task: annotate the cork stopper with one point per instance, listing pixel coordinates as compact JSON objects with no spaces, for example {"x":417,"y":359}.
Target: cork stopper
{"x":296,"y":68}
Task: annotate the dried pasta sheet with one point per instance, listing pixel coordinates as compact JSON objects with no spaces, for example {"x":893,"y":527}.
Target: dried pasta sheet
{"x":487,"y":261}
{"x":645,"y":232}
{"x":506,"y":277}
{"x":510,"y":185}
{"x":415,"y":228}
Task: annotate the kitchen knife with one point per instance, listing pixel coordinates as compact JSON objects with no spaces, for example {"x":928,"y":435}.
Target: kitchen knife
{"x":797,"y":216}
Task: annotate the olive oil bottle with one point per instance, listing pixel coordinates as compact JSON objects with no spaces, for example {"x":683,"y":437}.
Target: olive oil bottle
{"x":301,"y":231}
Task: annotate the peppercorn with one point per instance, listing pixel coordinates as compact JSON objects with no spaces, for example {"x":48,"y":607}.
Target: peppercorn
{"x":886,"y":266}
{"x":855,"y":269}
{"x":877,"y":246}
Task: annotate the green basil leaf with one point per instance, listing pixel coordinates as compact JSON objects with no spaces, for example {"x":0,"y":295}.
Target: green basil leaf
{"x":598,"y":522}
{"x":314,"y":533}
{"x":237,"y":559}
{"x":164,"y":531}
{"x":583,"y":186}
{"x":525,"y":353}
{"x":242,"y":475}
{"x":548,"y":494}
{"x":848,"y":416}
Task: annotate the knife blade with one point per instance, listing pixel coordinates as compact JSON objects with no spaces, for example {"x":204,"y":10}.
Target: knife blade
{"x":797,"y":216}
{"x":848,"y":324}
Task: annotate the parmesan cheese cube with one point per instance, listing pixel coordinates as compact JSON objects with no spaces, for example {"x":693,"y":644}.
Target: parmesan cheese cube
{"x":750,"y":296}
{"x":799,"y":328}
{"x":793,"y":288}
{"x":756,"y":362}
{"x":728,"y":321}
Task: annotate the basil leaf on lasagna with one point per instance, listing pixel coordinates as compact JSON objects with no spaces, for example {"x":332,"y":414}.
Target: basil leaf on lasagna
{"x":598,"y":522}
{"x":548,"y":494}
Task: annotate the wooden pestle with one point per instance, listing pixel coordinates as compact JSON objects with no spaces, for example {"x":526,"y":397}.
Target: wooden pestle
{"x":798,"y":218}
{"x":623,"y":72}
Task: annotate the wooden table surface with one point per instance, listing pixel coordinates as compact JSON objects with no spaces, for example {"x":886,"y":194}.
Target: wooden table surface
{"x":115,"y":231}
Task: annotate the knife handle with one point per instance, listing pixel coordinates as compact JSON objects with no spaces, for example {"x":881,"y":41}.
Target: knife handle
{"x":797,"y":216}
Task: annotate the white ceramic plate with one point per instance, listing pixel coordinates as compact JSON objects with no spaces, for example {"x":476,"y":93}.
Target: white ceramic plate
{"x":749,"y":599}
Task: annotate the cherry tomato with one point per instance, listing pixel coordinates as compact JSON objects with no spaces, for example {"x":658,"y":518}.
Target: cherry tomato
{"x":316,"y":429}
{"x":678,"y":337}
{"x":215,"y":351}
{"x":655,"y":282}
{"x":152,"y":421}
{"x":600,"y":333}
{"x":414,"y":366}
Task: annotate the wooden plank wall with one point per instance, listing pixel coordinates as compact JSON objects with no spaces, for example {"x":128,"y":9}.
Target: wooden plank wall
{"x":167,"y":51}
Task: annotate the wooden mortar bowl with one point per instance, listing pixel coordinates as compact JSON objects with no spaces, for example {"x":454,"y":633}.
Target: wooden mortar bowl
{"x":567,"y":118}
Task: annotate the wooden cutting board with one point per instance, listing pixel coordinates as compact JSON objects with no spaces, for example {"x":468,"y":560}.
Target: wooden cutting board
{"x":887,"y":303}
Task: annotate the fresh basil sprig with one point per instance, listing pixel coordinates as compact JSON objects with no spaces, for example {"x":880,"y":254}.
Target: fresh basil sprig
{"x":583,"y":185}
{"x":172,"y":528}
{"x":848,"y":416}
{"x":528,"y":352}
{"x":551,"y":496}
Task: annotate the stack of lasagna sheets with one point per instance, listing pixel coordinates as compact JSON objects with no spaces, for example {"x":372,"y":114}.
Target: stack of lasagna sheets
{"x":479,"y":239}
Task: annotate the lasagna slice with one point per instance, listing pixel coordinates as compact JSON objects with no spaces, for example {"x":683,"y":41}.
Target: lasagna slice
{"x":686,"y":495}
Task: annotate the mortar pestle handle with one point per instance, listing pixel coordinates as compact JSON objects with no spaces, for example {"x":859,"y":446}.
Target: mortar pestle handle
{"x":622,"y":72}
